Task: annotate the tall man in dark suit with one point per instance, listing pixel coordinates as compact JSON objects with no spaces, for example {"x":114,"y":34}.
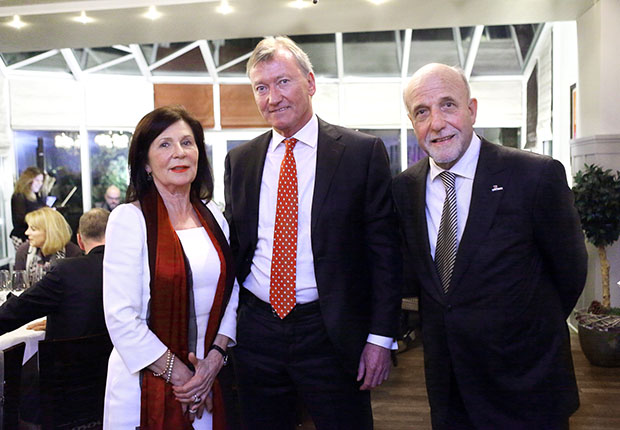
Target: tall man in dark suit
{"x":70,"y":294}
{"x":498,"y":259}
{"x":315,"y":241}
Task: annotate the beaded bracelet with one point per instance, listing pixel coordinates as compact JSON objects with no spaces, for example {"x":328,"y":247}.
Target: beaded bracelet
{"x":168,"y":358}
{"x":169,"y":375}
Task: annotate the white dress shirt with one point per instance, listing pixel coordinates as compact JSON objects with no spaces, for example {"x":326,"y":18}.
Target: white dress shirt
{"x":465,"y":170}
{"x":258,"y":281}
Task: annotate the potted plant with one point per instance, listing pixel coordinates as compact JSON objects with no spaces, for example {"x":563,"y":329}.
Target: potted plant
{"x":597,"y":198}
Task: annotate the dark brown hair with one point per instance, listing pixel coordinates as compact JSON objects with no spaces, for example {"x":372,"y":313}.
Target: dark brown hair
{"x":151,"y":126}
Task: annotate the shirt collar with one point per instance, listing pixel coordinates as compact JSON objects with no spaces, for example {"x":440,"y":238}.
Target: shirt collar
{"x":466,"y":166}
{"x":308,"y":134}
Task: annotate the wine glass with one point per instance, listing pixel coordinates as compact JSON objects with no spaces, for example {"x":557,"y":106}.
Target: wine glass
{"x":19,"y":281}
{"x":5,"y":280}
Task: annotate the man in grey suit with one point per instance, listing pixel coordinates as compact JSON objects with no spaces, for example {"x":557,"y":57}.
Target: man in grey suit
{"x":318,"y":324}
{"x":498,"y":259}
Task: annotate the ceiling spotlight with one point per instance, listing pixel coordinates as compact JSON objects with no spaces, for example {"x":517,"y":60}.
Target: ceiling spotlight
{"x":83,"y":18}
{"x":224,"y":8}
{"x":378,"y":2}
{"x":299,"y":4}
{"x":17,"y":22}
{"x":153,"y":13}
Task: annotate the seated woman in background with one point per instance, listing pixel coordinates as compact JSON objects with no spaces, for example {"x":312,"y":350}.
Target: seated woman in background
{"x":26,"y":198}
{"x":49,"y":238}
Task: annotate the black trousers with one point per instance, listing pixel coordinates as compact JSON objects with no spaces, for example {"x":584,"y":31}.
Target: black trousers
{"x":277,"y":361}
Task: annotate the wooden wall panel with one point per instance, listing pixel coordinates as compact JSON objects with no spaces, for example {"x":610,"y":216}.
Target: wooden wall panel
{"x":238,"y":107}
{"x":197,"y":99}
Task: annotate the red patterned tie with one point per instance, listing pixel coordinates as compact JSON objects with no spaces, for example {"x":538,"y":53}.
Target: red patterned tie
{"x":284,"y":259}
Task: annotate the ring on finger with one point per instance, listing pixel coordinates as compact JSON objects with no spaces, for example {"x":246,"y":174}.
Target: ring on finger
{"x":197,"y":398}
{"x":192,"y":411}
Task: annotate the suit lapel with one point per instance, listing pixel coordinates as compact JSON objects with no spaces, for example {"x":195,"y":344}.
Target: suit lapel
{"x":491,"y":174}
{"x":254,"y":177}
{"x":417,"y":195}
{"x":329,"y":151}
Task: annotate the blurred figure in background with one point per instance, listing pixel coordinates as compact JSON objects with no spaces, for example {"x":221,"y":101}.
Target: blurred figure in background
{"x":49,"y":238}
{"x":26,"y":198}
{"x":70,"y":294}
{"x":112,"y":198}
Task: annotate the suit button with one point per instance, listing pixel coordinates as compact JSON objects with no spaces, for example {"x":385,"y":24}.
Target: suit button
{"x":449,"y":307}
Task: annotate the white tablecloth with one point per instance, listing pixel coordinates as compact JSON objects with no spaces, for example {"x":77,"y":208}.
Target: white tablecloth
{"x":22,"y":334}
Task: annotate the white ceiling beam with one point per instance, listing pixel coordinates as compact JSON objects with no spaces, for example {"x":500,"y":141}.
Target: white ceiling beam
{"x":473,"y":50}
{"x":404,"y":68}
{"x":456,"y":35}
{"x":72,"y":62}
{"x":175,"y":54}
{"x":235,"y":61}
{"x":141,"y":61}
{"x":515,"y":40}
{"x":114,"y":62}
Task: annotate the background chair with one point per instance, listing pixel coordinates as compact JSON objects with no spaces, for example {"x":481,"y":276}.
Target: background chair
{"x":72,"y":375}
{"x":11,"y":368}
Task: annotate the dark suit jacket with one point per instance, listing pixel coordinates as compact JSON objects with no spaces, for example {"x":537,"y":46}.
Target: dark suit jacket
{"x":520,"y":268}
{"x":353,"y":232}
{"x":70,"y":294}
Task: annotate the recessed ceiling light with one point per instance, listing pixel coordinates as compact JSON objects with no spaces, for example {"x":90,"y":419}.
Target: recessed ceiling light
{"x":153,"y":13}
{"x":378,"y":2}
{"x":224,"y":8}
{"x":83,"y":18}
{"x":17,"y":22}
{"x":299,"y":4}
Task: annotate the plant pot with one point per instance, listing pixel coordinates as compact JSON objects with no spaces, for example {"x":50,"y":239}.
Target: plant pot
{"x":601,"y":348}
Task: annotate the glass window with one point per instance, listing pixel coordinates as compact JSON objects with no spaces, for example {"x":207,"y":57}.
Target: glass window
{"x":225,"y":51}
{"x":321,"y":49}
{"x":88,"y":58}
{"x":371,"y":53}
{"x":497,"y":54}
{"x":10,"y":58}
{"x":191,"y":63}
{"x":58,"y":153}
{"x":432,"y":46}
{"x":525,"y":36}
{"x":55,"y":63}
{"x":391,"y":139}
{"x":504,"y":136}
{"x":414,"y":152}
{"x":108,"y":162}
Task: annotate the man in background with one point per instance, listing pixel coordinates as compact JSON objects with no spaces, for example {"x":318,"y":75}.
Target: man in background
{"x":70,"y":293}
{"x":316,"y":247}
{"x":112,"y":198}
{"x":497,"y":255}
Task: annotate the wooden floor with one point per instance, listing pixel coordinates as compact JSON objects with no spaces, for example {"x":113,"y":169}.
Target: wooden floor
{"x":401,"y":403}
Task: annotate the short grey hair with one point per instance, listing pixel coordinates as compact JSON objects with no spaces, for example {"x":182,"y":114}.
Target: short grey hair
{"x":93,"y":224}
{"x":266,"y":49}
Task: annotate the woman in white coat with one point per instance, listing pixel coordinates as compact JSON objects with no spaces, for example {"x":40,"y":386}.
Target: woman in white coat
{"x":169,"y":296}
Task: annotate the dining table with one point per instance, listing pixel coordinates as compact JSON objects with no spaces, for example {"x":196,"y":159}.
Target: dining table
{"x":23,"y":334}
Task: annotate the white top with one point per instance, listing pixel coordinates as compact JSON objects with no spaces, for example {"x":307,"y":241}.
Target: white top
{"x":126,"y":295}
{"x":205,"y":266}
{"x":465,"y":170}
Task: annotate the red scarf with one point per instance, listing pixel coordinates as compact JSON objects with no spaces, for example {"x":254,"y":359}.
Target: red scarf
{"x":170,"y":309}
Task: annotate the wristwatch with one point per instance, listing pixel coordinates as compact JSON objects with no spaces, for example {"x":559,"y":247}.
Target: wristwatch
{"x":221,"y":351}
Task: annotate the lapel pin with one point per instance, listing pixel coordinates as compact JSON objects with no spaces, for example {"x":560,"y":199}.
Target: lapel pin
{"x":496,"y":188}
